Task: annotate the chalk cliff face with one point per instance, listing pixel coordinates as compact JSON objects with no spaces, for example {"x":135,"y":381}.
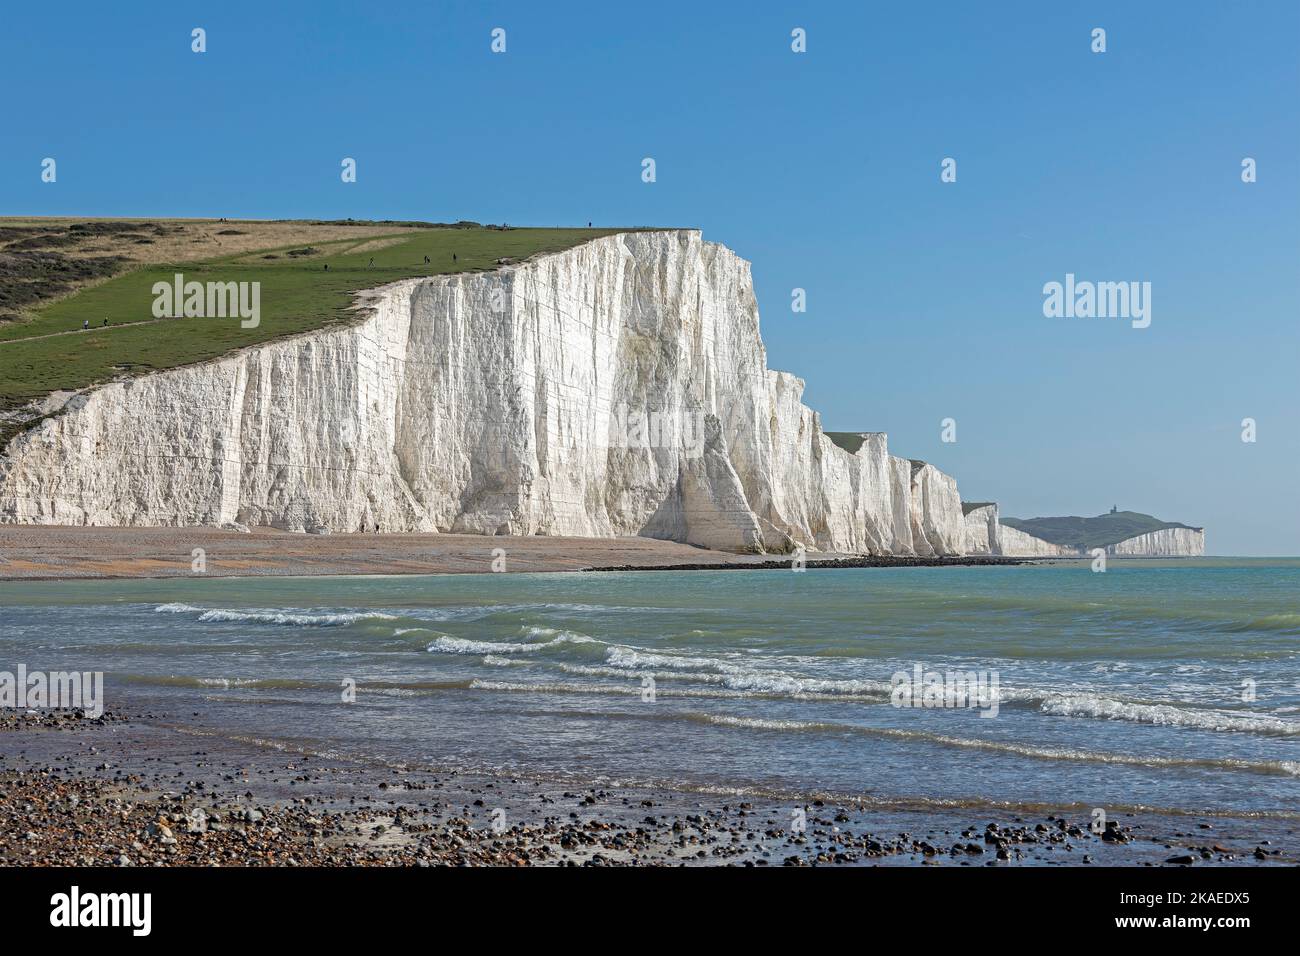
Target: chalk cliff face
{"x":985,"y":534}
{"x":1165,"y":543}
{"x":617,"y":388}
{"x":1012,"y":542}
{"x":981,"y":528}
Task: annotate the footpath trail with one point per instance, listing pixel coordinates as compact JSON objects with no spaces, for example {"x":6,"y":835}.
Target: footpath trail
{"x":93,"y":328}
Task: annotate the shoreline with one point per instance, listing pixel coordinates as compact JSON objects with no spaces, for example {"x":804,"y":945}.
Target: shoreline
{"x":59,"y":552}
{"x":853,"y":561}
{"x":144,"y":789}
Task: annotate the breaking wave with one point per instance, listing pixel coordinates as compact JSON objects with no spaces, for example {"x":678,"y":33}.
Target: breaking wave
{"x":1106,"y":708}
{"x":273,"y":616}
{"x":459,"y":645}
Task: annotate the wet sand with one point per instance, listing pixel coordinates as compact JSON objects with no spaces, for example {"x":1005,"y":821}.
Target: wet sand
{"x":156,"y":789}
{"x":34,"y":552}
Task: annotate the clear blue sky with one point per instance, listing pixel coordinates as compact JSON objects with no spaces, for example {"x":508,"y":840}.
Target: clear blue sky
{"x":924,"y":298}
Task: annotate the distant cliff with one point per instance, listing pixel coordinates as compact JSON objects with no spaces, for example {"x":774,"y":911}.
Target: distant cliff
{"x":1128,"y":533}
{"x":1167,"y":542}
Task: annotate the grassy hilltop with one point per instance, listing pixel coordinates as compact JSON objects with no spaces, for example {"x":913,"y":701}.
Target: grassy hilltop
{"x":57,"y":273}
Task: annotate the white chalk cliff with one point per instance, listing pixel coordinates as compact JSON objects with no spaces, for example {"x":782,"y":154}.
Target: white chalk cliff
{"x":1164,"y":543}
{"x":514,"y":402}
{"x":986,"y":534}
{"x":981,"y":528}
{"x":1012,"y":542}
{"x":616,"y":388}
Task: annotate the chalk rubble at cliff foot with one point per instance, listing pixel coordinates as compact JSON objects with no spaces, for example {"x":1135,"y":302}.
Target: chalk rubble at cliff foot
{"x":617,"y":388}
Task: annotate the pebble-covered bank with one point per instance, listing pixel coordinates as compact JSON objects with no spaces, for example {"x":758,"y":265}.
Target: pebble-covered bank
{"x":144,"y":791}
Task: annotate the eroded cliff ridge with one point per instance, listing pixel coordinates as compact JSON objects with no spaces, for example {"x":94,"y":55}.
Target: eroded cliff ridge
{"x":617,"y":388}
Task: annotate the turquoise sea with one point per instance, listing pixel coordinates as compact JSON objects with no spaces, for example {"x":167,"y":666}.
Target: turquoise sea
{"x":1169,"y":685}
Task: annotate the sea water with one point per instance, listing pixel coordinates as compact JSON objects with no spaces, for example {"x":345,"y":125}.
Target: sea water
{"x":1167,"y":685}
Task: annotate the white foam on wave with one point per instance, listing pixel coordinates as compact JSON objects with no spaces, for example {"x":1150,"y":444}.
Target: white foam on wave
{"x":273,"y":616}
{"x":625,"y":690}
{"x":549,"y":687}
{"x":1106,"y":708}
{"x":569,"y":637}
{"x":623,"y":662}
{"x":460,"y":645}
{"x":736,"y":677}
{"x":632,"y":658}
{"x":763,"y":723}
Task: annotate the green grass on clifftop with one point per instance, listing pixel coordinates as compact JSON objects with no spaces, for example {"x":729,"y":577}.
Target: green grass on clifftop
{"x":297,"y":295}
{"x":1086,"y":533}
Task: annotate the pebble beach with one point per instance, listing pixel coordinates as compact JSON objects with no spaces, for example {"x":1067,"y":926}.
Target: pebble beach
{"x":82,"y":791}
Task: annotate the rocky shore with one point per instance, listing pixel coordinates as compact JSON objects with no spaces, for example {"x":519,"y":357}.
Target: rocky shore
{"x":147,"y":790}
